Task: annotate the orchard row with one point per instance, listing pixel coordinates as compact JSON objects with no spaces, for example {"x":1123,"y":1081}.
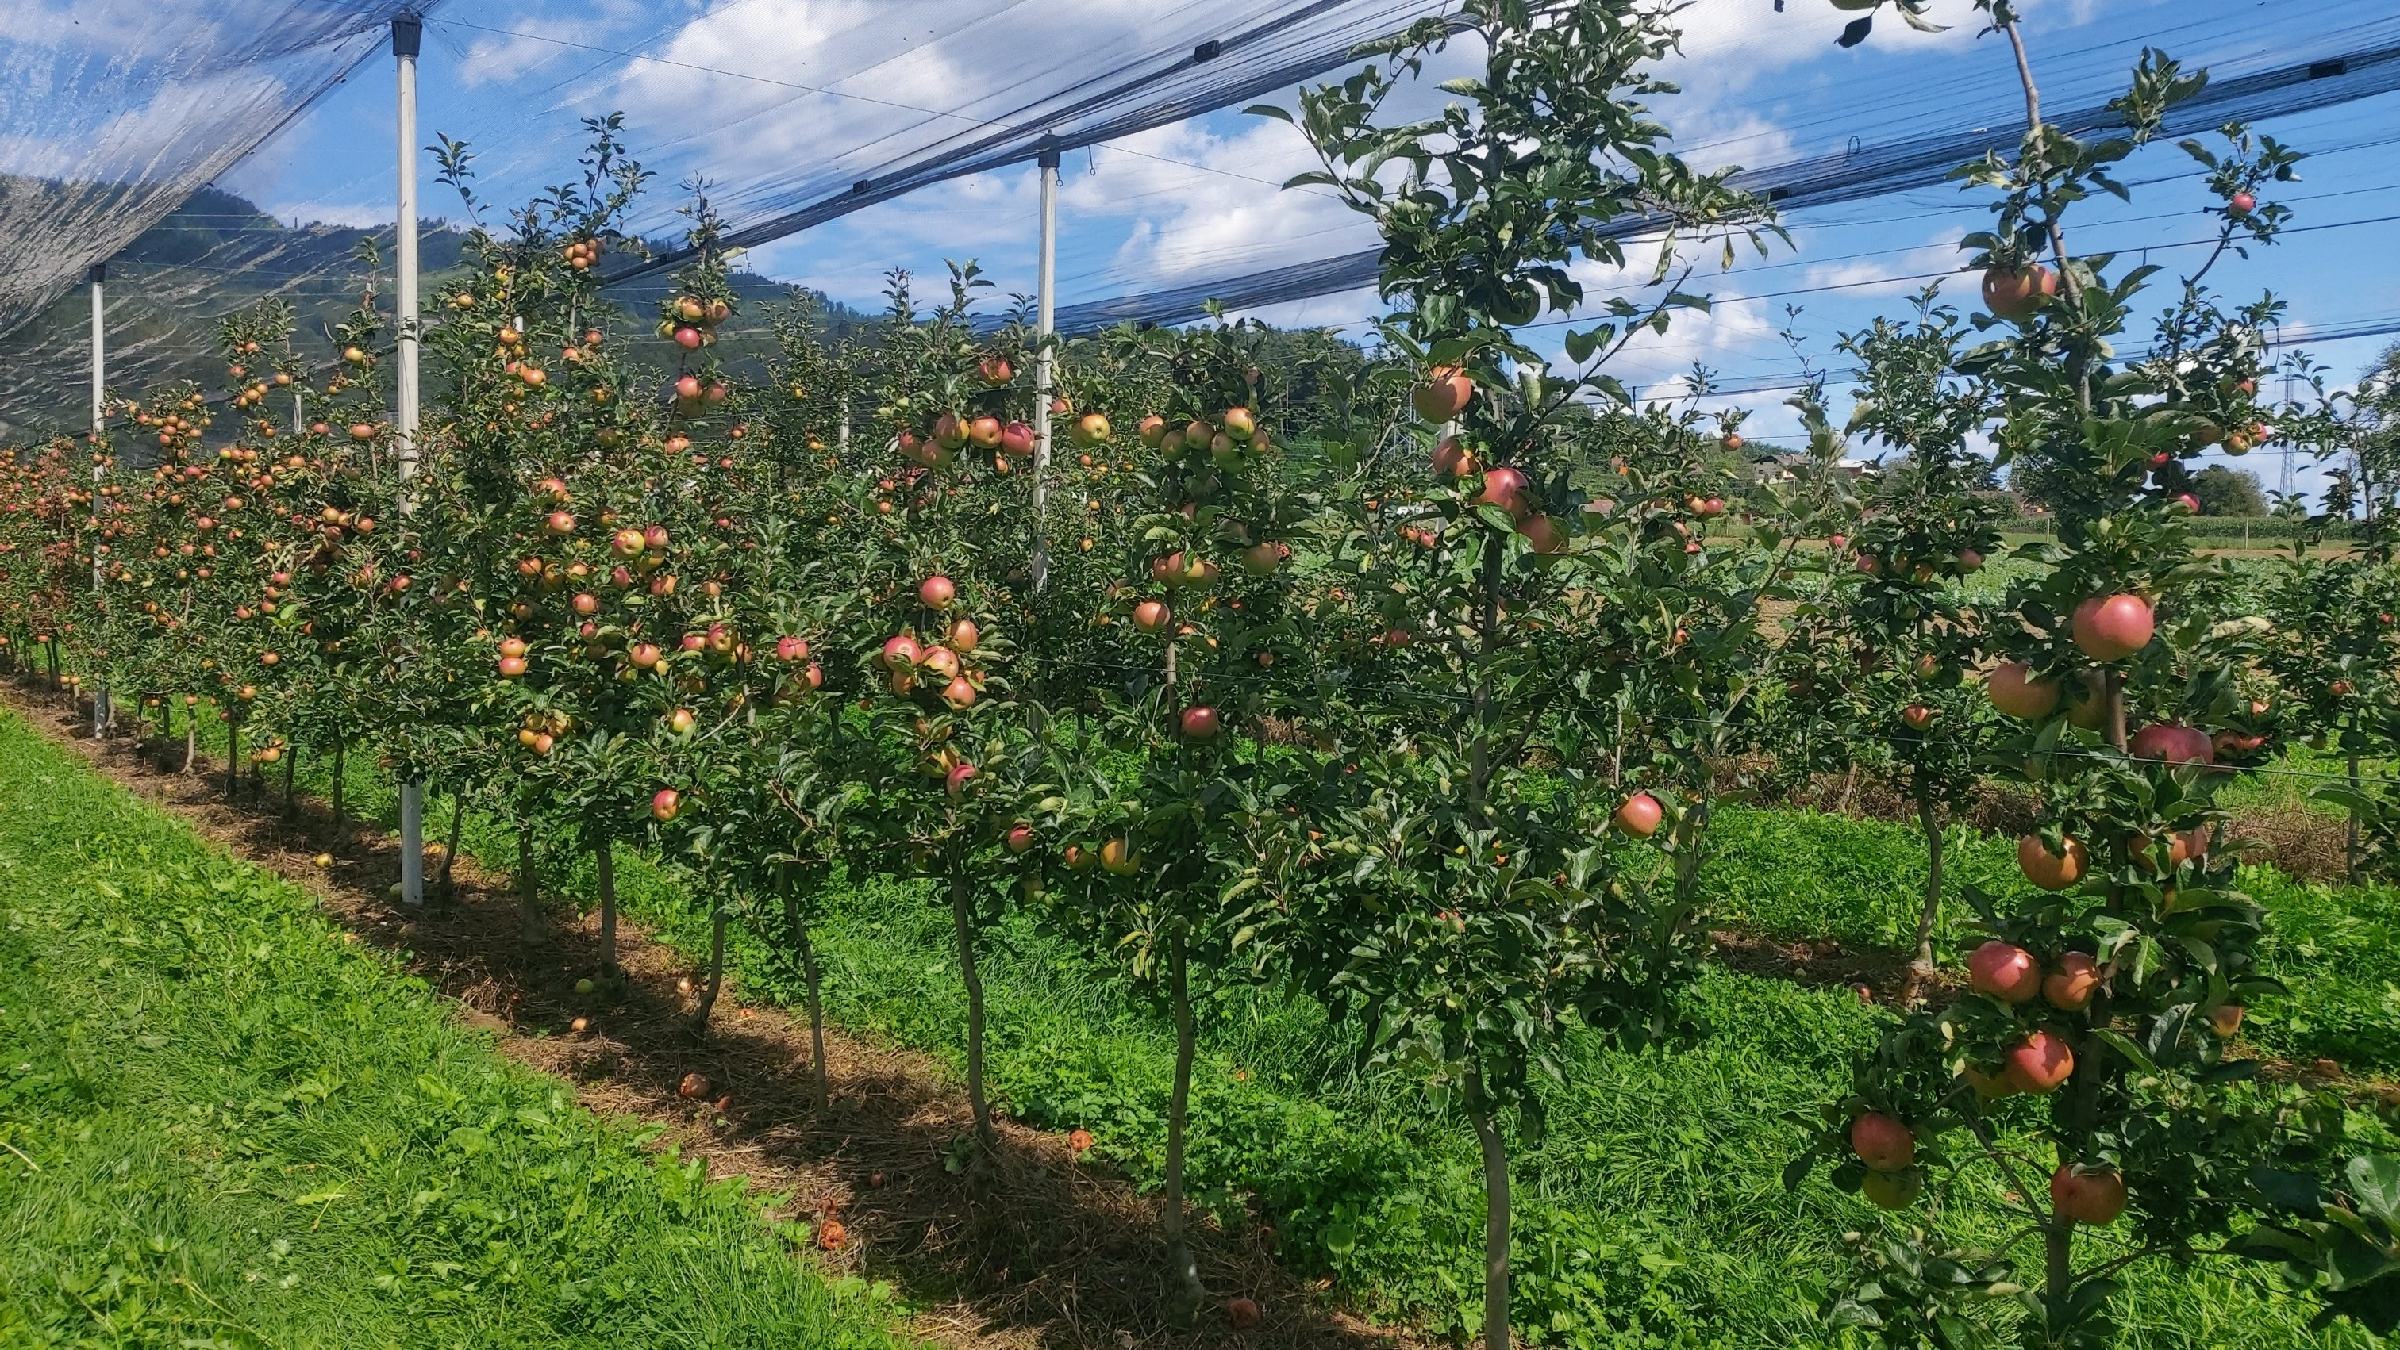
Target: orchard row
{"x":1408,"y":683}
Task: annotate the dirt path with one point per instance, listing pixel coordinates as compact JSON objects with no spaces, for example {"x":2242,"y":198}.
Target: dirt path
{"x":1027,"y":1248}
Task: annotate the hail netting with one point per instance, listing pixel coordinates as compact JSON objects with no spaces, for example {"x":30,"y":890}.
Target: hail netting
{"x":794,"y":112}
{"x":116,"y":110}
{"x":2255,"y":75}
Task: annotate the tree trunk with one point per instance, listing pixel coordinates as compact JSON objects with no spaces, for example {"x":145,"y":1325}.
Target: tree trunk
{"x":963,"y":921}
{"x":2058,"y":1272}
{"x":813,"y":977}
{"x":1184,"y":1290}
{"x":716,"y":963}
{"x":2350,"y":834}
{"x":529,"y":887}
{"x":341,"y":795}
{"x":1495,"y":1221}
{"x":233,"y":761}
{"x":458,"y":824}
{"x":291,"y":771}
{"x":191,"y":741}
{"x":1920,"y":966}
{"x":605,"y":863}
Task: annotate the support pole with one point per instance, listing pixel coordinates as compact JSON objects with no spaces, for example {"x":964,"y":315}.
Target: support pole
{"x":99,"y":274}
{"x":1045,"y":365}
{"x":408,"y":35}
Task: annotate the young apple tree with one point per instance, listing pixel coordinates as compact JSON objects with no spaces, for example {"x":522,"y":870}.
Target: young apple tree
{"x":1461,"y":901}
{"x":2084,"y":1064}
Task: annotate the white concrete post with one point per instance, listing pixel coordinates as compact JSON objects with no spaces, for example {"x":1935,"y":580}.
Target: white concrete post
{"x":408,"y":35}
{"x":1044,"y":365}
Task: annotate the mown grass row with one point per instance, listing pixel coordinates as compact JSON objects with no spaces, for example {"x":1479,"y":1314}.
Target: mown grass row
{"x":221,"y":1126}
{"x":1652,"y":1211}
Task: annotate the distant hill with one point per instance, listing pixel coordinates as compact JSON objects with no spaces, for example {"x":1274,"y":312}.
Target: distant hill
{"x":217,"y":254}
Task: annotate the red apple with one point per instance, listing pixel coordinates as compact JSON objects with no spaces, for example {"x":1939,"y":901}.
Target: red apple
{"x":2071,"y":982}
{"x":1199,"y":722}
{"x":1918,"y":716}
{"x":2004,"y":971}
{"x":2015,"y":691}
{"x":1152,"y":616}
{"x":1118,"y":858}
{"x":937,"y":592}
{"x":2039,"y":1063}
{"x":1020,"y":837}
{"x":2113,"y":627}
{"x":955,"y":782}
{"x":1640,"y":815}
{"x":1452,"y":460}
{"x":665,"y":803}
{"x":2242,"y":203}
{"x":1543,"y":534}
{"x":2172,"y":742}
{"x":1506,"y":488}
{"x":2050,"y":871}
{"x":1882,"y":1142}
{"x":2014,"y":292}
{"x":1444,"y":394}
{"x":900,"y":652}
{"x":2080,"y":1194}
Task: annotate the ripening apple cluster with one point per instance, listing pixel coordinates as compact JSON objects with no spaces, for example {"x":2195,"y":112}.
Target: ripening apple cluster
{"x":1442,"y":396}
{"x":939,"y":671}
{"x":2108,"y":629}
{"x":691,"y":322}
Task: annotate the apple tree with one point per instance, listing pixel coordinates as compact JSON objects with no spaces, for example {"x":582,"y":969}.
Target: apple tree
{"x":1459,"y":901}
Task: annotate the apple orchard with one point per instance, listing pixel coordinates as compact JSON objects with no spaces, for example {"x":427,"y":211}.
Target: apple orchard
{"x":1417,"y":683}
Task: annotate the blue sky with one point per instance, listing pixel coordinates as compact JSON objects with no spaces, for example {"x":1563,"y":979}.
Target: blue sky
{"x":753,"y":93}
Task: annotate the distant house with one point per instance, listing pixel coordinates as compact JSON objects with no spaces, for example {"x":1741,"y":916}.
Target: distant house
{"x":1784,"y":468}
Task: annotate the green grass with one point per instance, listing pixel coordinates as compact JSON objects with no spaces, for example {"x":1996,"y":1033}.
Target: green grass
{"x":1800,"y":874}
{"x":1651,"y":1213}
{"x":224,"y":1128}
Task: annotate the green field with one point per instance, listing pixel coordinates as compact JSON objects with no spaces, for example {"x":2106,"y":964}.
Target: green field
{"x":220,"y":1126}
{"x":1652,"y":1212}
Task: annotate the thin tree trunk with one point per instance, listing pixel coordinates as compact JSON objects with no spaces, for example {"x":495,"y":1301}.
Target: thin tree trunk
{"x":529,"y":887}
{"x":191,"y":741}
{"x":341,"y":792}
{"x":458,"y":824}
{"x":291,"y":770}
{"x":233,"y":761}
{"x":1184,"y":1291}
{"x":1849,"y":786}
{"x":716,"y":963}
{"x":962,"y":920}
{"x":2350,"y":836}
{"x":605,"y":863}
{"x":2058,"y":1270}
{"x":1920,"y":966}
{"x":1495,"y":1220}
{"x":813,"y":978}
